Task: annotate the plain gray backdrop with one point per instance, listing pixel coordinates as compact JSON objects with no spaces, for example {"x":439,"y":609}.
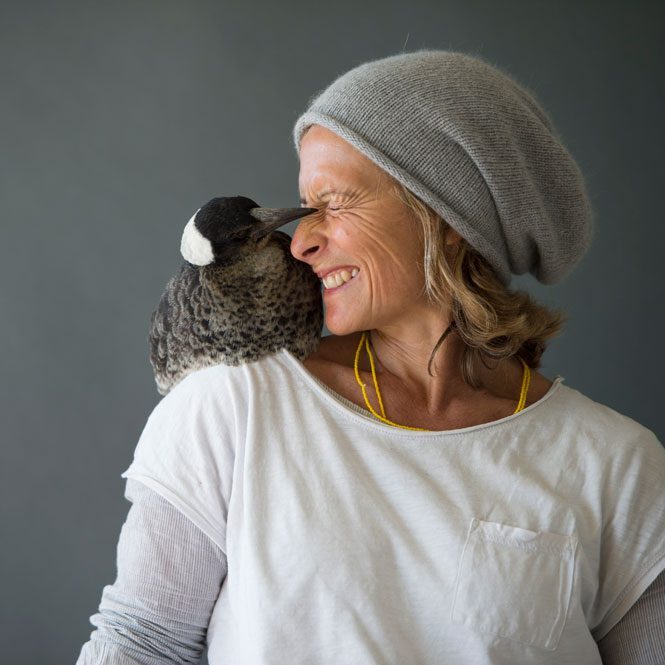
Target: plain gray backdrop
{"x":120,"y":119}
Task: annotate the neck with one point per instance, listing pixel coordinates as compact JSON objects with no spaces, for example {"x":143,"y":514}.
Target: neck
{"x":402,"y":354}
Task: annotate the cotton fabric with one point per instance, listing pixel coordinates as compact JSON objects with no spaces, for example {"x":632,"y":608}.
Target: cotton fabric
{"x":350,"y":541}
{"x":164,"y":557}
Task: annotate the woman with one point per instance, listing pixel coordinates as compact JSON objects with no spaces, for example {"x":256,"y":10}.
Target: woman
{"x":415,"y":491}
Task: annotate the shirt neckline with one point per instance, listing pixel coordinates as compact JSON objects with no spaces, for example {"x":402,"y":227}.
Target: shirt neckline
{"x":352,"y":411}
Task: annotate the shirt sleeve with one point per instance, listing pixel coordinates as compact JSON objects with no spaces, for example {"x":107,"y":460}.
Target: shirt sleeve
{"x":186,"y":451}
{"x":639,"y":637}
{"x":169,"y":575}
{"x":632,"y":550}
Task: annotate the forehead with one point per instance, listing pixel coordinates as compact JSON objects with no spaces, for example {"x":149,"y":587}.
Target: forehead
{"x":329,"y":162}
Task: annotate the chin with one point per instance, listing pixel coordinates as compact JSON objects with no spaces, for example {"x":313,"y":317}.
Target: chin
{"x":342,"y":327}
{"x":338,"y":330}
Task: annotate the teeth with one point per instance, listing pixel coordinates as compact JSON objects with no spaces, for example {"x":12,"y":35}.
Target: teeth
{"x":339,"y":278}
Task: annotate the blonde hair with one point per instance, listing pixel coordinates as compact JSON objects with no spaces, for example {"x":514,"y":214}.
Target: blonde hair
{"x":493,"y":321}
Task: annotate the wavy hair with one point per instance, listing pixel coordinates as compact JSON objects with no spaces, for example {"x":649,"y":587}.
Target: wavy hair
{"x":493,"y":321}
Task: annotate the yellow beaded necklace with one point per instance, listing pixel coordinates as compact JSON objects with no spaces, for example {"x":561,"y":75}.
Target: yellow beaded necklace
{"x":526,"y":380}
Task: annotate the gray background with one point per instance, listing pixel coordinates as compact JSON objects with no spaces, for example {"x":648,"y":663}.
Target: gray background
{"x":120,"y":119}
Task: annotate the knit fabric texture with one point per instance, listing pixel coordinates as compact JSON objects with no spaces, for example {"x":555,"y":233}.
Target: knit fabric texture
{"x":475,"y":146}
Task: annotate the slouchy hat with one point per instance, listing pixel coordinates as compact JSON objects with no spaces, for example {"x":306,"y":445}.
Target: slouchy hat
{"x":472,"y":144}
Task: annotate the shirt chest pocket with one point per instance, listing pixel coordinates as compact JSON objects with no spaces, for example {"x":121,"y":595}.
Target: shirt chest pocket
{"x":514,"y":583}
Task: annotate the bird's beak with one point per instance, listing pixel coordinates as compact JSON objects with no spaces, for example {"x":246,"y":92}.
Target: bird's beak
{"x":272,"y":218}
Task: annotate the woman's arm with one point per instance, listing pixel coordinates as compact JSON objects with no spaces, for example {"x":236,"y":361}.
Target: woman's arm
{"x":639,"y":637}
{"x":169,"y":577}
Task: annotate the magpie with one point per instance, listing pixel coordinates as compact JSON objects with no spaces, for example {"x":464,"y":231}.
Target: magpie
{"x":239,"y":294}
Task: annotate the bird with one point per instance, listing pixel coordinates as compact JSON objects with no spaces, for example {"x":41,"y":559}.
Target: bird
{"x":238,"y":296}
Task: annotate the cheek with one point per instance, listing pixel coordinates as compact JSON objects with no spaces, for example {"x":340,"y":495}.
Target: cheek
{"x":388,"y":252}
{"x":345,"y":234}
{"x":392,"y":280}
{"x":394,"y":260}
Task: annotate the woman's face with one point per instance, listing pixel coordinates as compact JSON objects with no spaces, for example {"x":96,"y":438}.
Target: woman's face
{"x":361,"y":229}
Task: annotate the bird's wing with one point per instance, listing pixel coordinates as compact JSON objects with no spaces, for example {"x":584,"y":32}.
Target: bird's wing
{"x":170,"y":326}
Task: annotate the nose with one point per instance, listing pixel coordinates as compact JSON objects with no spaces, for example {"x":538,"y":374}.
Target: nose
{"x":306,"y":240}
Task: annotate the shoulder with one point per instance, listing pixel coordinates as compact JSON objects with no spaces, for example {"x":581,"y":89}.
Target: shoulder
{"x":596,"y":414}
{"x":607,"y":429}
{"x":211,"y":379}
{"x":202,"y":402}
{"x":195,"y":425}
{"x":231,"y":387}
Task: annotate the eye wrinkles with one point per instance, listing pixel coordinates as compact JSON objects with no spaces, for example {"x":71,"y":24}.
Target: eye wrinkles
{"x":326,"y":192}
{"x":325,"y":206}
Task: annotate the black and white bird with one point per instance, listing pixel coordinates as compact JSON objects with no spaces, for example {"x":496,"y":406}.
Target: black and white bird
{"x":238,"y":296}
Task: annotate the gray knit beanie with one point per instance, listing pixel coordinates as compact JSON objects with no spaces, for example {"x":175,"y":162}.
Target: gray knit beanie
{"x":472,"y":144}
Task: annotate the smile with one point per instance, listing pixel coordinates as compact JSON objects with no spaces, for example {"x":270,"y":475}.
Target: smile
{"x":336,"y":279}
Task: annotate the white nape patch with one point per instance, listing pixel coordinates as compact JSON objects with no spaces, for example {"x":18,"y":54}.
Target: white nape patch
{"x":194,"y":247}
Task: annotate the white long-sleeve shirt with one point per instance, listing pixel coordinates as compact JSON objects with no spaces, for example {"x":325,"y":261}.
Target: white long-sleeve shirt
{"x":350,"y":541}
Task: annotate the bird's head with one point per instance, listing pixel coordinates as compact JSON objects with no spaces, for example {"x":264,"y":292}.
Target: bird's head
{"x":219,"y":230}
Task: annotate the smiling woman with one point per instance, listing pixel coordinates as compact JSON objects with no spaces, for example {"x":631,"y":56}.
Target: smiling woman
{"x":369,"y":233}
{"x":439,"y":268}
{"x":414,"y":490}
{"x":460,"y":180}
